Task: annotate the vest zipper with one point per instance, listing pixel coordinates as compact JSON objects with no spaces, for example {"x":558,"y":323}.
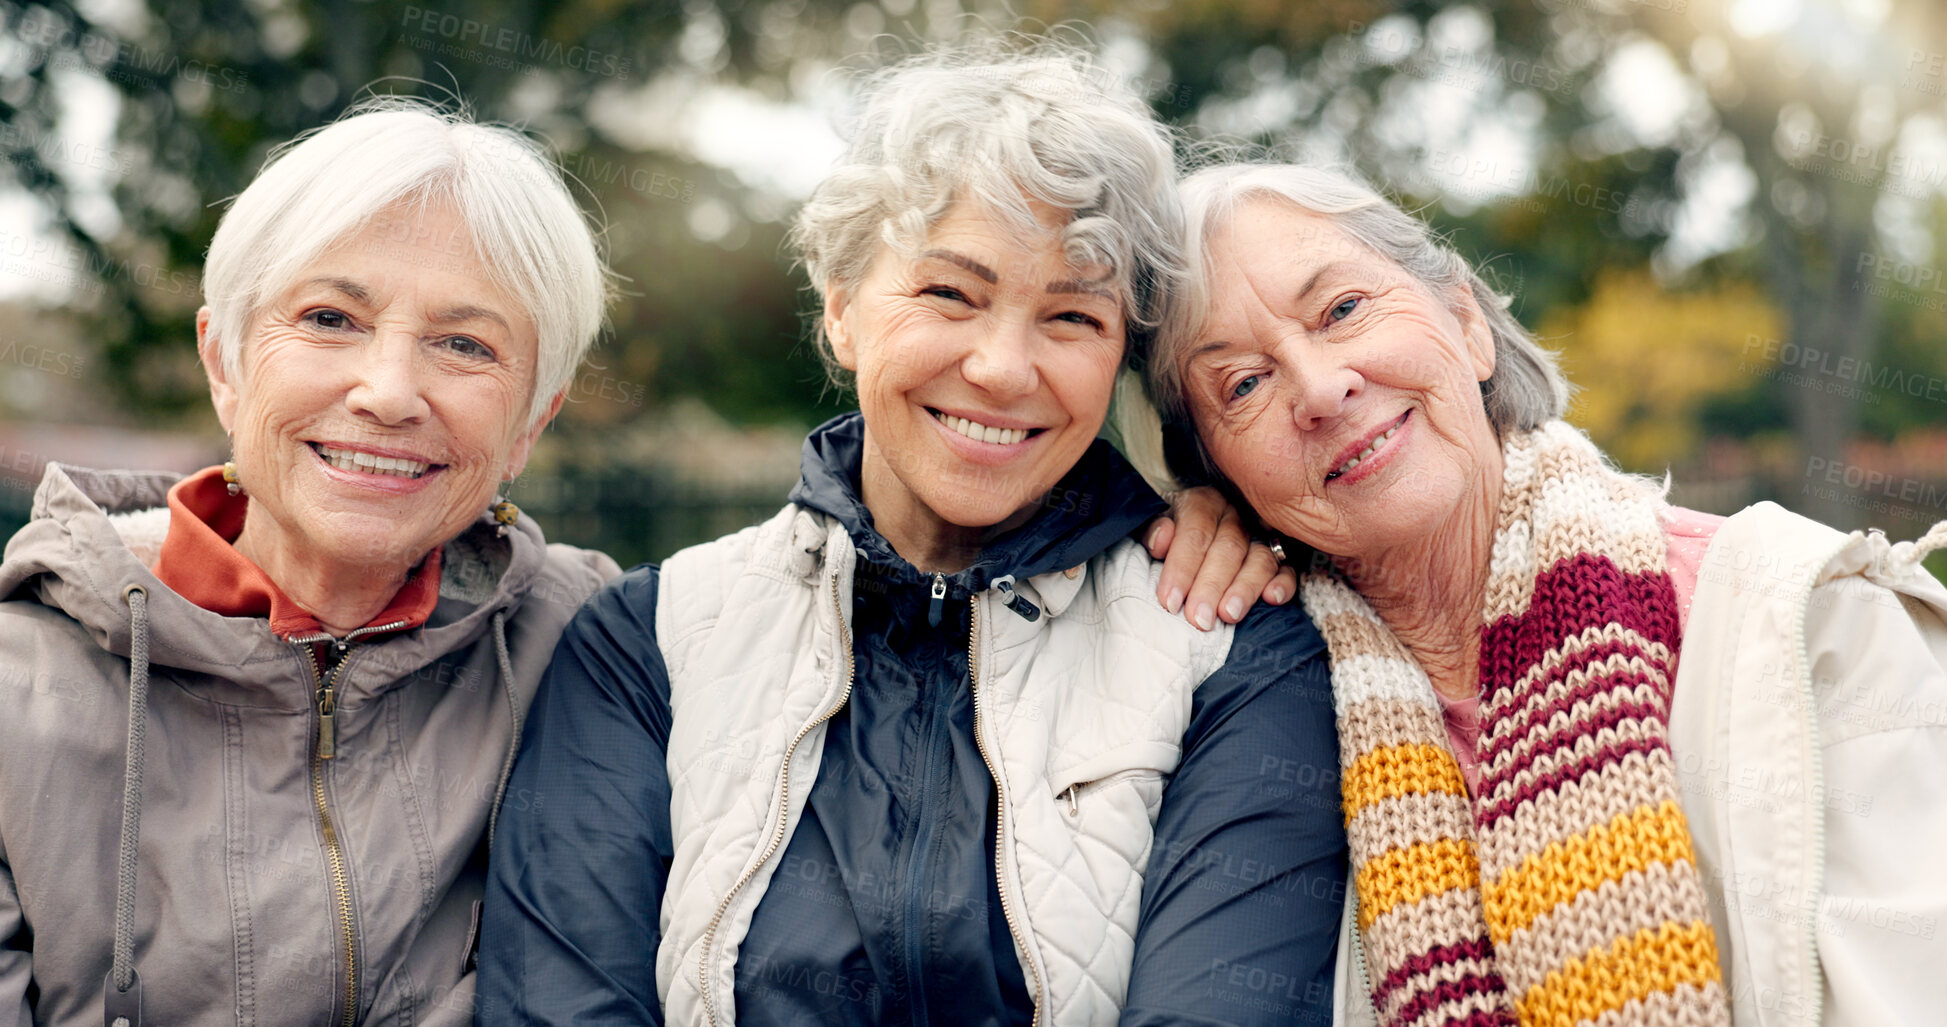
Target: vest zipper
{"x":784,"y":803}
{"x":937,"y":601}
{"x":1000,"y":804}
{"x":336,"y":865}
{"x":1359,"y":960}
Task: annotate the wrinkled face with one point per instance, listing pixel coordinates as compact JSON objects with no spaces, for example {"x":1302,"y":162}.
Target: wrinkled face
{"x":1339,"y":394}
{"x":383,"y":396}
{"x":984,"y":364}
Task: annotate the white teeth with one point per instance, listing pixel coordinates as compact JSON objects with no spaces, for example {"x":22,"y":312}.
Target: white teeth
{"x":981,"y":432}
{"x":1366,"y":452}
{"x":354,"y":460}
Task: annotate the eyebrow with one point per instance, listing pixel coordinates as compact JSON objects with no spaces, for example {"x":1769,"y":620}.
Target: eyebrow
{"x":1312,"y":282}
{"x":985,"y":273}
{"x":450,"y":315}
{"x":344,"y":285}
{"x":1206,"y":348}
{"x":1069,"y":285}
{"x":453,"y":315}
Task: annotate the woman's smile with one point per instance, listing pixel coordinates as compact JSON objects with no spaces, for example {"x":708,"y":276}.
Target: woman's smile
{"x":1371,"y":453}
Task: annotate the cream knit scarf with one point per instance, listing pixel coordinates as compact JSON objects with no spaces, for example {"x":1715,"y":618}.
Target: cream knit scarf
{"x":1566,"y":892}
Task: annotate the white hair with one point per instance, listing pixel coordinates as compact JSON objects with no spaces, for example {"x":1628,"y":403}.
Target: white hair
{"x":328,"y":184}
{"x":1525,"y":390}
{"x":1000,"y":129}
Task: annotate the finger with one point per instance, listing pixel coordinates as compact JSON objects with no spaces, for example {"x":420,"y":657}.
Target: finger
{"x":1253,"y":580}
{"x":1158,"y":536}
{"x":1195,"y":514}
{"x":1282,"y":586}
{"x":1228,"y":548}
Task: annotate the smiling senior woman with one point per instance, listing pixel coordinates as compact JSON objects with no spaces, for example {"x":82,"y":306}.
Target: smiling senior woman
{"x":925,"y":747}
{"x":303,"y":673}
{"x":1554,"y":818}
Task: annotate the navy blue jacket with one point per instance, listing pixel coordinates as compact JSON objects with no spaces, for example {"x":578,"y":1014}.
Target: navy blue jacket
{"x":884,"y":908}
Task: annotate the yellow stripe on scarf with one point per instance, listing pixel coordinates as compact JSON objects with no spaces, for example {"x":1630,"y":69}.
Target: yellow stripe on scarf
{"x":1396,"y":770}
{"x":1407,"y":875}
{"x":1565,"y":869}
{"x":1654,"y":959}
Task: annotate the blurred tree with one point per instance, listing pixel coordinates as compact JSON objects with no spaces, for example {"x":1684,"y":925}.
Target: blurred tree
{"x":1825,"y":111}
{"x":1647,"y":360}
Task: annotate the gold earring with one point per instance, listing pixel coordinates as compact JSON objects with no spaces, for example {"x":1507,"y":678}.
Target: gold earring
{"x":230,"y":482}
{"x":506,"y":513}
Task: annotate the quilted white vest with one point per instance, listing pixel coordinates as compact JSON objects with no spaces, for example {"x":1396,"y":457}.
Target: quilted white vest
{"x":754,"y":632}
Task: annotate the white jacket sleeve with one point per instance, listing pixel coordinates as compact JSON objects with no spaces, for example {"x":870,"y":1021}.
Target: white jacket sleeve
{"x":1875,"y":655}
{"x":16,"y":963}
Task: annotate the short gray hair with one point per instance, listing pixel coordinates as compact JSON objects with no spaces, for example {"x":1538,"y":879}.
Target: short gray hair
{"x":1000,"y":129}
{"x":1525,"y":391}
{"x":328,"y":184}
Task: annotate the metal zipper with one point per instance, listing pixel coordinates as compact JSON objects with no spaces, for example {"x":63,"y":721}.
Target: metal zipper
{"x":1000,"y":804}
{"x":327,"y":748}
{"x":784,"y":803}
{"x":1359,"y":960}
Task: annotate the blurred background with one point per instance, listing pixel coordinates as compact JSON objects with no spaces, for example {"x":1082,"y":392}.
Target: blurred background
{"x":1726,"y":214}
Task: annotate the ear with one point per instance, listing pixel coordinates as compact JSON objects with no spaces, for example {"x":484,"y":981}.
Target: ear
{"x":1475,"y":333}
{"x":223,"y":391}
{"x":523,"y":446}
{"x":838,"y":333}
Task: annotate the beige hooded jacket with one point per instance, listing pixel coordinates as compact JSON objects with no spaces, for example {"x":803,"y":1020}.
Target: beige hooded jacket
{"x":240,"y":877}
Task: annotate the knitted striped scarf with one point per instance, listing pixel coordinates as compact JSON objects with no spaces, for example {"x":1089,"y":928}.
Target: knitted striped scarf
{"x":1566,"y":892}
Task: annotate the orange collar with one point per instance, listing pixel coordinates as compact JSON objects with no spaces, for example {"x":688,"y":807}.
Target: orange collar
{"x":199,"y":562}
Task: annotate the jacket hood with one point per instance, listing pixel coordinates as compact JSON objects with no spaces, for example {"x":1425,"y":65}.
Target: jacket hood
{"x":1099,"y":502}
{"x":93,"y":533}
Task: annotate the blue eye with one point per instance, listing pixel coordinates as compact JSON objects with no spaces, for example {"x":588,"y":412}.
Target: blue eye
{"x":333,"y":320}
{"x":1245,"y":387}
{"x":1342,"y":309}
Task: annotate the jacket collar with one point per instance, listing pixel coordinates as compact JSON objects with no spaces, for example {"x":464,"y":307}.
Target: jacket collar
{"x":72,"y":556}
{"x":1100,"y":501}
{"x":199,"y":561}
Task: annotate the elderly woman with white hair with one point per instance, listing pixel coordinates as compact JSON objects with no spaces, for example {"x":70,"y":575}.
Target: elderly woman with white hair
{"x":1605,"y":760}
{"x":258,"y":719}
{"x":925,"y":747}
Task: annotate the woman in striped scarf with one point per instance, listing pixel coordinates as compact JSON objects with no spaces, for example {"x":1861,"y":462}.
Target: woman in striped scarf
{"x":1604,"y":760}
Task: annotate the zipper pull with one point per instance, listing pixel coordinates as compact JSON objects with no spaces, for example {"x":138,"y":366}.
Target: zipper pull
{"x":938,"y":600}
{"x":1015,"y":601}
{"x":327,"y":731}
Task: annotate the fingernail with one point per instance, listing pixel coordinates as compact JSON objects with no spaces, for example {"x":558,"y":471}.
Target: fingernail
{"x":1149,"y":540}
{"x":1204,"y":616}
{"x":1175,"y":603}
{"x":1276,"y":595}
{"x":1234,"y":608}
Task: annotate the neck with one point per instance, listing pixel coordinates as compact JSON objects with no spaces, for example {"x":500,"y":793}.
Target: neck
{"x":921,"y":537}
{"x":342,"y":597}
{"x":1430,"y":592}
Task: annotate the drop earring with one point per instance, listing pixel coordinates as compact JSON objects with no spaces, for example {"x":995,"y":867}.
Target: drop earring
{"x":230,"y":482}
{"x":505,"y":513}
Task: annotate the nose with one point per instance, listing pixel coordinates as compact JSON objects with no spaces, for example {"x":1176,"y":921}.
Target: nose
{"x":1001,"y":361}
{"x":1324,"y":380}
{"x":389,"y":386}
